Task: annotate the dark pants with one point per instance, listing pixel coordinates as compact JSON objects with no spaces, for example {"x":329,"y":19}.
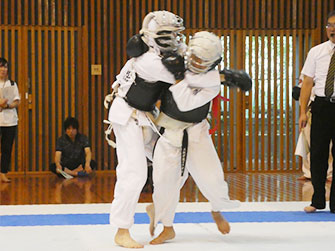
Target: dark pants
{"x":7,"y":138}
{"x":322,"y":132}
{"x":73,"y":166}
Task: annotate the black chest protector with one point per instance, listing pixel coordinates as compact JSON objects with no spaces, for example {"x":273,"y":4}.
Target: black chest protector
{"x":143,"y":95}
{"x":170,"y":108}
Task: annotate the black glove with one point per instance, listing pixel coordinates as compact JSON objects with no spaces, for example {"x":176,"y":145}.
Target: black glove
{"x":175,"y":64}
{"x":296,"y":92}
{"x":136,"y":46}
{"x":237,"y":78}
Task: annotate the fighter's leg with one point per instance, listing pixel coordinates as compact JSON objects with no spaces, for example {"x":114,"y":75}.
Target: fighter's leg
{"x":206,"y":170}
{"x":131,"y":176}
{"x":167,"y":180}
{"x":150,"y":209}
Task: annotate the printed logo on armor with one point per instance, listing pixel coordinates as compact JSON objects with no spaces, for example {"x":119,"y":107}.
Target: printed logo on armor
{"x":128,"y":76}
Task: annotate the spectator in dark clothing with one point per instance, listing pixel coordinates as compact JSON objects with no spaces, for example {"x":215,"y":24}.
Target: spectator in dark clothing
{"x":73,"y":152}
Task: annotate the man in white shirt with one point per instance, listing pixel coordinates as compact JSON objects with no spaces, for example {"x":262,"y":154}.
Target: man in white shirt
{"x":138,"y":88}
{"x":319,"y":68}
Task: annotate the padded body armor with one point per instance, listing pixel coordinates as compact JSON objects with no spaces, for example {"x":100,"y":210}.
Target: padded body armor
{"x":170,"y":108}
{"x":143,"y":95}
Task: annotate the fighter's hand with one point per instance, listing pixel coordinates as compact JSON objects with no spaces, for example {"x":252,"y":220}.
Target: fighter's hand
{"x":108,"y":100}
{"x":302,"y":121}
{"x":237,"y":78}
{"x":175,"y":64}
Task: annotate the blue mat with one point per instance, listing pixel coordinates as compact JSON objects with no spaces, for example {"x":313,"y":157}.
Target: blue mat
{"x":187,"y":217}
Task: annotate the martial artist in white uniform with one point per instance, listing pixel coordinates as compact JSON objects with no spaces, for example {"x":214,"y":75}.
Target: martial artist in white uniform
{"x":128,"y":122}
{"x":200,"y":85}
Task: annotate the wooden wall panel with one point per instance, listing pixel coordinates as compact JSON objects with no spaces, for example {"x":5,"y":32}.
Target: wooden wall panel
{"x":108,"y":24}
{"x":272,"y":123}
{"x":52,"y":87}
{"x":44,"y":67}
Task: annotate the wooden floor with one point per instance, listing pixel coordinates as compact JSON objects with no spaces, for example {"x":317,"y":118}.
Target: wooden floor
{"x":49,"y":189}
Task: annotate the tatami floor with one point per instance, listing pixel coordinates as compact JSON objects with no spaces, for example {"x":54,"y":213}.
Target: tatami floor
{"x":43,"y":212}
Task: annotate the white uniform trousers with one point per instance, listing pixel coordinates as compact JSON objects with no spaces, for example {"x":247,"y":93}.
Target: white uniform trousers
{"x":202,"y":163}
{"x":131,"y":173}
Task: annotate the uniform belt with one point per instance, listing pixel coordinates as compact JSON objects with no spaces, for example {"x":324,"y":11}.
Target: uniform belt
{"x":331,"y":99}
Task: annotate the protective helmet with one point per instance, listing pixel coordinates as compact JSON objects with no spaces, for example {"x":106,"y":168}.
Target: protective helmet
{"x":161,"y":29}
{"x":204,"y":52}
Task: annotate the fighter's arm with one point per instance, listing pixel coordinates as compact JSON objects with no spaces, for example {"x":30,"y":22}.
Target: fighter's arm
{"x":190,"y":94}
{"x":149,"y":66}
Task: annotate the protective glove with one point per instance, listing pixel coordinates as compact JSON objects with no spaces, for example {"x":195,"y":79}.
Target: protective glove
{"x":175,"y":64}
{"x":237,"y":78}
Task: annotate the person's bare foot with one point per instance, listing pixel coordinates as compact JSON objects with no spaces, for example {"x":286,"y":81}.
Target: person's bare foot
{"x":151,"y":213}
{"x":221,"y":222}
{"x":71,"y":172}
{"x":167,"y":234}
{"x":309,"y":209}
{"x":303,"y":178}
{"x":3,"y":178}
{"x":123,"y":239}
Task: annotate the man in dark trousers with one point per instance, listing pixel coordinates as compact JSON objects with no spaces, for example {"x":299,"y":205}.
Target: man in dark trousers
{"x":320,"y":68}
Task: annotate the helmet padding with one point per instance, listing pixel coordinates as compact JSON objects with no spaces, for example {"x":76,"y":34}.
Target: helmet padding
{"x":161,"y":29}
{"x":204,"y":52}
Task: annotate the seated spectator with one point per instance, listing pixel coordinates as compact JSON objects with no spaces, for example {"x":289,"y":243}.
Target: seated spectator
{"x":73,"y":152}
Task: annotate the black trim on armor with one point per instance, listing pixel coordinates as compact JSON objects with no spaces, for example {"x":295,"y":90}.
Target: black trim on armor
{"x":143,"y":95}
{"x":169,"y":107}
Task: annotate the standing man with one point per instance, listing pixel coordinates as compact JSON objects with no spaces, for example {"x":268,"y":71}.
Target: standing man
{"x":320,"y":68}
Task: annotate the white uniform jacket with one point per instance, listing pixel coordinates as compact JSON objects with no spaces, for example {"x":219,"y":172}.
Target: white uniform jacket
{"x":194,"y":91}
{"x":148,"y":67}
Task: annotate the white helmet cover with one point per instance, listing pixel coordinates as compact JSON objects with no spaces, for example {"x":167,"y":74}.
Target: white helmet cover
{"x":161,"y":29}
{"x":204,"y":52}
